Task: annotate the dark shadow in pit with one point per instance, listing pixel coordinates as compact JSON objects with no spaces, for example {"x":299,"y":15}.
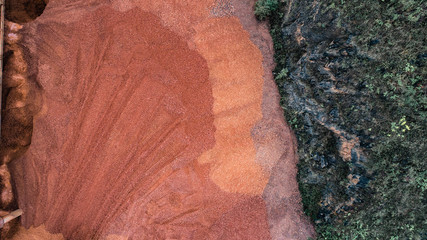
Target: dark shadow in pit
{"x":23,"y":11}
{"x":17,"y":122}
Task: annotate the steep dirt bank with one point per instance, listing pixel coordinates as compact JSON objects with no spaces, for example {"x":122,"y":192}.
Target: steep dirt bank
{"x":20,"y":101}
{"x":23,"y":11}
{"x":274,"y":139}
{"x":158,"y":120}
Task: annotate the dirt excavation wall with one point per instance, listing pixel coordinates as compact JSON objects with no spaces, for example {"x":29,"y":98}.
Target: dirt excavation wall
{"x":154,"y":120}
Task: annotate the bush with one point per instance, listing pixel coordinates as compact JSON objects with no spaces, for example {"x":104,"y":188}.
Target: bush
{"x":264,"y":8}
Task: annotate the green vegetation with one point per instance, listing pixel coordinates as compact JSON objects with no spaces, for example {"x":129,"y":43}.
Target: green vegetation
{"x":312,"y":195}
{"x":264,"y":8}
{"x":393,"y":34}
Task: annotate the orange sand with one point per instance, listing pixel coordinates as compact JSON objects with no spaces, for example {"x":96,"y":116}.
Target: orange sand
{"x":154,"y":125}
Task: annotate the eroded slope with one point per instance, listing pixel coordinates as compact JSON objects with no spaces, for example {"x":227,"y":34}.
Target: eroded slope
{"x":157,"y":121}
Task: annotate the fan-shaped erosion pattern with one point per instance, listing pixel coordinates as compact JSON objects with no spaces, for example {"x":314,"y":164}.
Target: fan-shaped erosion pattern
{"x":154,"y":120}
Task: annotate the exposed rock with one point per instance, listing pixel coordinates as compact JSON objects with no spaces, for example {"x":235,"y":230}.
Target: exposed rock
{"x":320,"y":52}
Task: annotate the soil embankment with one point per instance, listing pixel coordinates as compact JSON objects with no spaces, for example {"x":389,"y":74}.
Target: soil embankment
{"x":158,"y":120}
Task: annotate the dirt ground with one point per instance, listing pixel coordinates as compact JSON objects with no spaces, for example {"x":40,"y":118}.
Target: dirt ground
{"x":152,"y":120}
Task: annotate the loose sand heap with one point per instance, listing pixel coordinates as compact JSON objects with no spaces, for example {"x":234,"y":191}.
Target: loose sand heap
{"x":152,"y":120}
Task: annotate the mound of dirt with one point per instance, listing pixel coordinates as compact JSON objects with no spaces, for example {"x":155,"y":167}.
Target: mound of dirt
{"x":156,"y":120}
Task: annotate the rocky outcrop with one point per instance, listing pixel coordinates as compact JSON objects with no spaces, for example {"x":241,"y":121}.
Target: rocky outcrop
{"x":157,"y":120}
{"x":333,"y":110}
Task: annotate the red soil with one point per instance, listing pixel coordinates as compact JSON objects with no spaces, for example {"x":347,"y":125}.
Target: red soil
{"x":158,"y":121}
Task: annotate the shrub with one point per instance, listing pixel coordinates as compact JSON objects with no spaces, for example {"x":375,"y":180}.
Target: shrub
{"x":264,"y":8}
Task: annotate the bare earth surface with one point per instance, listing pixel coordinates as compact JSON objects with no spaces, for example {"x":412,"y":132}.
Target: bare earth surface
{"x":155,"y":120}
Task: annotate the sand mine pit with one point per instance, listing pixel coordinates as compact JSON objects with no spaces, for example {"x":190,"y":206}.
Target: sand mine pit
{"x":143,"y":119}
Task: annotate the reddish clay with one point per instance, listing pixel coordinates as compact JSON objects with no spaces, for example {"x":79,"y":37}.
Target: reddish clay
{"x":114,"y":124}
{"x":156,"y":123}
{"x":226,"y":228}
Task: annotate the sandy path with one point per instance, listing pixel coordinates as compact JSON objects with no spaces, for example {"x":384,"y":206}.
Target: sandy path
{"x":159,"y":120}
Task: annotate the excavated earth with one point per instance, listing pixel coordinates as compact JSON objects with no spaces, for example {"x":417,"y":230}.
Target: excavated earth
{"x":148,"y":120}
